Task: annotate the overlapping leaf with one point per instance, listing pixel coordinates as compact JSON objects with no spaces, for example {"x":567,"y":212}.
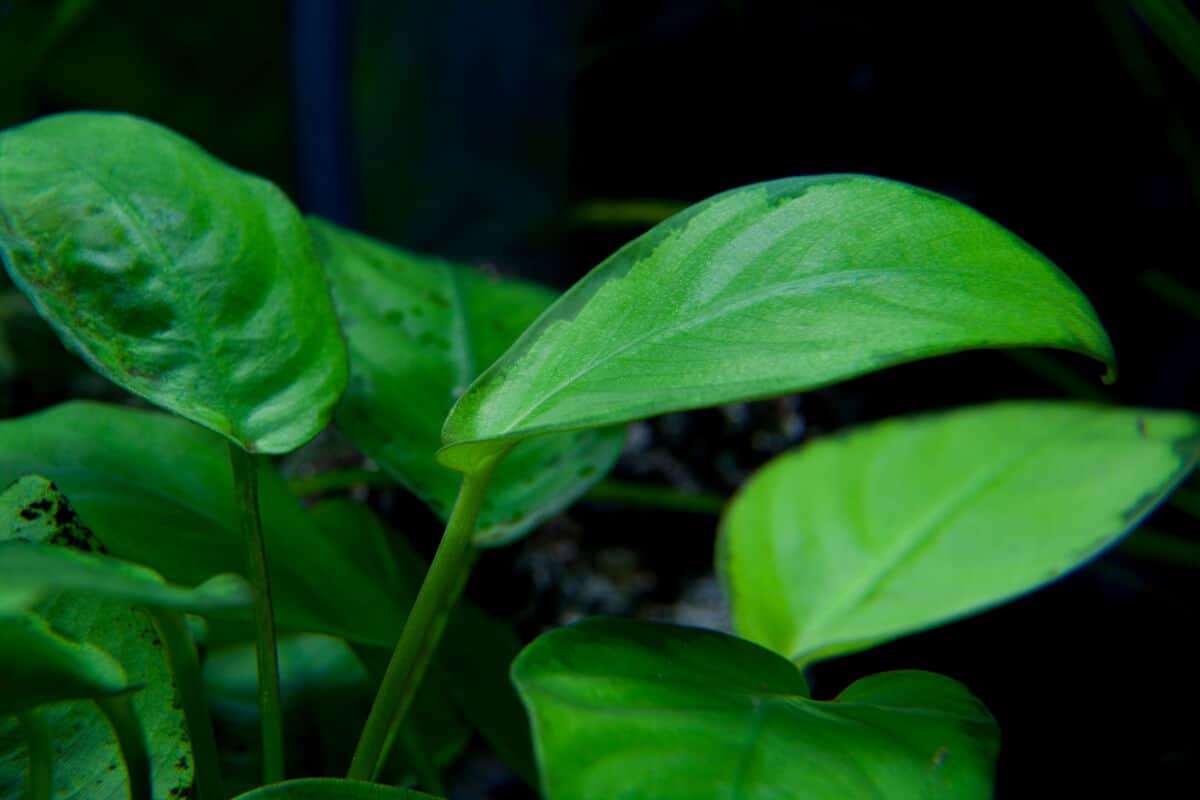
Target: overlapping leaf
{"x":157,"y":491}
{"x":183,"y":280}
{"x":638,"y":710}
{"x":93,"y":633}
{"x":772,"y":288}
{"x":419,"y":330}
{"x":892,"y":528}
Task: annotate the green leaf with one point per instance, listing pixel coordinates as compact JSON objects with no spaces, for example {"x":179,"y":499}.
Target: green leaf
{"x":42,"y":667}
{"x":642,"y":710}
{"x":772,"y":288}
{"x":157,"y":491}
{"x":35,"y":511}
{"x":899,"y":526}
{"x":181,"y":279}
{"x":419,"y":330}
{"x":88,"y":759}
{"x":88,"y":745}
{"x":331,"y":789}
{"x":29,"y":573}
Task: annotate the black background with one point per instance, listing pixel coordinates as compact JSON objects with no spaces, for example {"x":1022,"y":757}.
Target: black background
{"x":477,"y":129}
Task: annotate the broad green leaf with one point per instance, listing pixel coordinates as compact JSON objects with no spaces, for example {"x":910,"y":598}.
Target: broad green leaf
{"x":419,"y":330}
{"x":181,"y":279}
{"x":772,"y":288}
{"x":331,"y":789}
{"x":34,"y":510}
{"x":157,"y":491}
{"x":641,"y":710}
{"x":892,"y":528}
{"x":42,"y":667}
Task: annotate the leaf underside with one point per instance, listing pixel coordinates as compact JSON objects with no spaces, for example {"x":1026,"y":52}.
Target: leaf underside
{"x":895,"y":527}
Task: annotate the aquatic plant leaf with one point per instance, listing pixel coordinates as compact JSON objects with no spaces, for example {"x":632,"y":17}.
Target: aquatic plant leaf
{"x":646,"y":711}
{"x":768,"y":289}
{"x":181,"y":279}
{"x":895,"y":527}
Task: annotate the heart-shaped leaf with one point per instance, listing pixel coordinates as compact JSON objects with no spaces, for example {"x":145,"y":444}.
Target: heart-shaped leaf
{"x":181,"y":279}
{"x":769,"y":289}
{"x":419,"y":330}
{"x":641,"y":710}
{"x":331,"y":789}
{"x":157,"y":491}
{"x":895,"y":527}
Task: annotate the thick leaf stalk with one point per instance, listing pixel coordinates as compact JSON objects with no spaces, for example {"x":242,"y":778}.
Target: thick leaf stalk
{"x":444,"y":582}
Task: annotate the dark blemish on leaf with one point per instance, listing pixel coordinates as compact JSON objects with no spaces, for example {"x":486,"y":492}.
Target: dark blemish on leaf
{"x":182,"y":763}
{"x":939,"y":757}
{"x":1141,"y":427}
{"x":586,"y":470}
{"x":438,"y":299}
{"x":29,"y":514}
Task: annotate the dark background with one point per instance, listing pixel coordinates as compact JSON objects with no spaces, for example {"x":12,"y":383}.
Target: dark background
{"x":488,"y":131}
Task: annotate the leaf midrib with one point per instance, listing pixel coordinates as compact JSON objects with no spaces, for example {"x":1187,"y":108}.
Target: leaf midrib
{"x":806,"y":285}
{"x":919,"y":535}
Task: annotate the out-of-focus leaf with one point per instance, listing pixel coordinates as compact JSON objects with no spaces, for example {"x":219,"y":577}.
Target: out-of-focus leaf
{"x":157,"y":491}
{"x":419,"y":330}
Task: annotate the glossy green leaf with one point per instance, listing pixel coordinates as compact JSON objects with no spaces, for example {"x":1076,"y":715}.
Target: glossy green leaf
{"x":157,"y":491}
{"x":331,"y":789}
{"x":419,"y":330}
{"x":772,"y":288}
{"x":35,"y":511}
{"x":181,"y":279}
{"x":42,"y":667}
{"x":641,"y":710}
{"x":899,"y":526}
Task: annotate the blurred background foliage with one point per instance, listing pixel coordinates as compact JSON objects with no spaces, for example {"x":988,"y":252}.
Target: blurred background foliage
{"x":534,"y":137}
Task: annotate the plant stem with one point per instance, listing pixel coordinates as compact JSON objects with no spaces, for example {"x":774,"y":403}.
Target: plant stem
{"x":118,"y":709}
{"x":185,"y":666}
{"x":423,"y":629}
{"x":245,"y":486}
{"x":39,"y":782}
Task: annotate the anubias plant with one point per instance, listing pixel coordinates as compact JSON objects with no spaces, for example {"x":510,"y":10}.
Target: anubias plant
{"x":202,"y":290}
